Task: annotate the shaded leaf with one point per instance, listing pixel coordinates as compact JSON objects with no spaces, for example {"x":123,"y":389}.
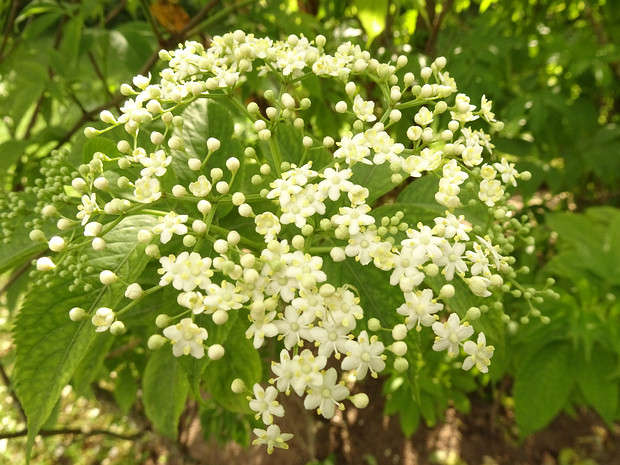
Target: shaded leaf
{"x":164,"y":391}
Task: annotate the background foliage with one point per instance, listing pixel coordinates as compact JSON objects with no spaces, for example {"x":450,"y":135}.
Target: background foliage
{"x":552,"y":69}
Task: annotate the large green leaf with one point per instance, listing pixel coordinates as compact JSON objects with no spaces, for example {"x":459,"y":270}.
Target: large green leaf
{"x":164,"y":391}
{"x":542,"y":386}
{"x":49,"y":346}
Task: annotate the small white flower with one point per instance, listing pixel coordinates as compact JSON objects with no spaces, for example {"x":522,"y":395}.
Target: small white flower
{"x":103,"y":319}
{"x":185,"y":271}
{"x":155,"y":164}
{"x":169,"y":225}
{"x":364,"y":109}
{"x":325,"y":397}
{"x":363,"y":355}
{"x":201,"y":187}
{"x":147,"y":189}
{"x":450,"y":334}
{"x":88,"y":207}
{"x":267,"y":225}
{"x":479,"y":354}
{"x":272,"y":437}
{"x":186,"y":338}
{"x":265,"y":404}
{"x":419,"y":309}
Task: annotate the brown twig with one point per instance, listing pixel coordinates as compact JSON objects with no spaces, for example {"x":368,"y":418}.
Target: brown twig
{"x":431,"y":42}
{"x":9,"y":385}
{"x":114,"y":11}
{"x":601,"y":34}
{"x":73,"y":431}
{"x":99,"y":72}
{"x":9,"y":25}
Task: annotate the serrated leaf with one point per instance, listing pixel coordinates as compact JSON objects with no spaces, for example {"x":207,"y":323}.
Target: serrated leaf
{"x":164,"y":391}
{"x":49,"y":346}
{"x":241,"y":360}
{"x":542,"y":386}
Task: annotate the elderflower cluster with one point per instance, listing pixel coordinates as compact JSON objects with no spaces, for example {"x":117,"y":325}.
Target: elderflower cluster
{"x":297,"y":221}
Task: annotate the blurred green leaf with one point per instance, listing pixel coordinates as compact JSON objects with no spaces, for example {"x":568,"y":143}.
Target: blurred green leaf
{"x":372,"y":15}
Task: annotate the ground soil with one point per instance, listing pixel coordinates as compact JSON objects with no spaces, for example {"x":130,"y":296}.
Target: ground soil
{"x":485,"y":436}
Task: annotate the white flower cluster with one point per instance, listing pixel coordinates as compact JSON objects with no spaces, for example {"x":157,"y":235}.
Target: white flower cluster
{"x":279,"y":280}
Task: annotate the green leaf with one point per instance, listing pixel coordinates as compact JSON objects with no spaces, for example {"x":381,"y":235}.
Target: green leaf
{"x":378,"y":298}
{"x":596,"y":384}
{"x":164,"y":391}
{"x":542,"y":386}
{"x":126,"y":390}
{"x":70,"y":46}
{"x":372,"y":14}
{"x":49,"y":346}
{"x":194,"y":368}
{"x":206,"y":118}
{"x":240,"y":361}
{"x":98,"y":144}
{"x":376,"y":178}
{"x":91,"y":363}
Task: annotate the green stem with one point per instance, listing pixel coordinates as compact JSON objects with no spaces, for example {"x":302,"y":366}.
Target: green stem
{"x":133,"y":303}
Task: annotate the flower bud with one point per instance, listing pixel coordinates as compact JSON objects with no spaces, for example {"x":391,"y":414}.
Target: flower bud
{"x":216,"y":352}
{"x":45,"y":264}
{"x":399,"y":332}
{"x":220,"y":246}
{"x":107,"y":277}
{"x":134,"y":291}
{"x":152,"y":251}
{"x":360,"y":400}
{"x":338,"y":254}
{"x":199,"y":226}
{"x":98,"y":244}
{"x":237,"y":386}
{"x":401,"y":364}
{"x":213,"y":144}
{"x":232,"y":164}
{"x":56,"y":244}
{"x":222,"y":187}
{"x":179,"y":191}
{"x":341,"y":106}
{"x":36,"y":235}
{"x":77,"y":314}
{"x":374,"y":324}
{"x":117,"y":328}
{"x":204,"y":207}
{"x":220,"y":317}
{"x":399,"y":348}
{"x":156,"y":341}
{"x":447,"y":291}
{"x":233,"y":238}
{"x":163,"y":320}
{"x":194,"y":164}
